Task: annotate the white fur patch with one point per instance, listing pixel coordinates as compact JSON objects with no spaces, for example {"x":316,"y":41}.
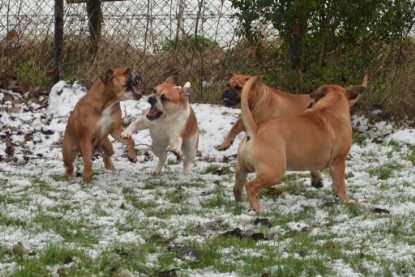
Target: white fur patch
{"x":105,"y":121}
{"x":187,"y":85}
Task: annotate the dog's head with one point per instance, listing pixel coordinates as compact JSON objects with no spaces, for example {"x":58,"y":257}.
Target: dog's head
{"x":233,"y":88}
{"x":351,"y":93}
{"x":122,"y":82}
{"x":168,"y":99}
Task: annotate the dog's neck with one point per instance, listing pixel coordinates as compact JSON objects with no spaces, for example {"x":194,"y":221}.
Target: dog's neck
{"x":101,"y":97}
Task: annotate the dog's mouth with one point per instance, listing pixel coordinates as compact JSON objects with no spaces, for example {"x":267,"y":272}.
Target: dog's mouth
{"x":230,"y":102}
{"x":153,"y":113}
{"x":231,"y":96}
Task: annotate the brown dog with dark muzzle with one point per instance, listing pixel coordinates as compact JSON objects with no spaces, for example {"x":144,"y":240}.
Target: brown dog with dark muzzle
{"x":97,"y":115}
{"x":266,"y":103}
{"x":319,"y":138}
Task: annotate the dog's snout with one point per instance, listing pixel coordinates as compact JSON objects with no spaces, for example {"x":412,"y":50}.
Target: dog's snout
{"x":152,"y":100}
{"x":136,"y":77}
{"x":227,"y":93}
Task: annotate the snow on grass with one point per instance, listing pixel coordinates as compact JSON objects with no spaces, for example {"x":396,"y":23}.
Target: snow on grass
{"x":309,"y":232}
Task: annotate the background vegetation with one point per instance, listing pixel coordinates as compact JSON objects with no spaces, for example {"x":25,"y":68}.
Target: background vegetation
{"x":296,"y":45}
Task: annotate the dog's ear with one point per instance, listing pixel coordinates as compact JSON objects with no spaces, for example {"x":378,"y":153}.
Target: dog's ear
{"x":353,"y":94}
{"x":355,"y":91}
{"x":186,"y":91}
{"x":319,"y":93}
{"x":172,"y":79}
{"x":106,"y":77}
{"x":227,"y":77}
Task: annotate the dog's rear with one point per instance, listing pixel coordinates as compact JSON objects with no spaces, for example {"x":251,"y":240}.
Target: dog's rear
{"x":317,"y":139}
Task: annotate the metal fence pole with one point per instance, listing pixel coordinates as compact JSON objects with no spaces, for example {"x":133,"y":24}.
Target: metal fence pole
{"x":58,"y":37}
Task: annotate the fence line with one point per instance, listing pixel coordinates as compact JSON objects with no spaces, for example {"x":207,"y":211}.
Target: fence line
{"x":196,"y":37}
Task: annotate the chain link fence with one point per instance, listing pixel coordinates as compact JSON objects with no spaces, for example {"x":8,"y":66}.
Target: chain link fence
{"x":195,"y":39}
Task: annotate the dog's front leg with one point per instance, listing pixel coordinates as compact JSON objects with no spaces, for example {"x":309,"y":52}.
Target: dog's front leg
{"x":176,"y":142}
{"x":132,"y":154}
{"x":316,"y":179}
{"x":160,"y":151}
{"x":86,"y":150}
{"x":235,"y":130}
{"x":139,"y":124}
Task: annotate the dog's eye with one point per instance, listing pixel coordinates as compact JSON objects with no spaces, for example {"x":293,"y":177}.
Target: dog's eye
{"x":238,"y":87}
{"x":164,"y":98}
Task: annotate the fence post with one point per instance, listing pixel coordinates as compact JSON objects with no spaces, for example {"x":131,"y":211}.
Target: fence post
{"x":58,"y":37}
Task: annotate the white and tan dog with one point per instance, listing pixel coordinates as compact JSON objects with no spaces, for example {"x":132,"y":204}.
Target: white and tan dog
{"x":172,"y":122}
{"x":319,"y":138}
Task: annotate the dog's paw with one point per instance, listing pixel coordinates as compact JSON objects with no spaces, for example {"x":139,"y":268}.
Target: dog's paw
{"x":126,"y":134}
{"x":318,"y":184}
{"x":177,"y":152}
{"x":224,"y":146}
{"x":132,"y":159}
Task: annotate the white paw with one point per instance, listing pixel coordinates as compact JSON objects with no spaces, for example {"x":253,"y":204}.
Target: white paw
{"x":126,"y":134}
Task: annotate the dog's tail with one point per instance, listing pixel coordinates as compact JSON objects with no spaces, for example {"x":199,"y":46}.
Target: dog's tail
{"x":247,"y":118}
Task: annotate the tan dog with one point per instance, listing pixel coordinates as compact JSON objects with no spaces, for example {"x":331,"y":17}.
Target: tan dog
{"x":266,"y":103}
{"x":319,"y":138}
{"x":172,"y":122}
{"x":97,"y":115}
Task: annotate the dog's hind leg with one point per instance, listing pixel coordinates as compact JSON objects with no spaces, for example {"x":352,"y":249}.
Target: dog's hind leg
{"x":132,"y":153}
{"x":316,"y":179}
{"x":189,"y":148}
{"x":266,"y":177}
{"x":337,"y":169}
{"x":107,"y":153}
{"x":240,"y":179}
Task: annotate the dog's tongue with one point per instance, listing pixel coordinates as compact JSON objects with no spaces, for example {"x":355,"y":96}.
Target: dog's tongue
{"x":152,"y":112}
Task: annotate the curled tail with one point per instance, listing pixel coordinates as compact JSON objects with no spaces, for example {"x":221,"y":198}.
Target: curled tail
{"x":249,"y":123}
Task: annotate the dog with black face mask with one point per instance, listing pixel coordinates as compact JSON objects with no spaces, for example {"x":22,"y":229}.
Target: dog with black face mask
{"x":97,"y":115}
{"x":172,"y":122}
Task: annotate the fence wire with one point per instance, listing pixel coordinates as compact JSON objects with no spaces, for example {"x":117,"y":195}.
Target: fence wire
{"x":196,"y":39}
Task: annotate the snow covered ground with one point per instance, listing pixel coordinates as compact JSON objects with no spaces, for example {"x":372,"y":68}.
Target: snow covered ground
{"x":380,"y":170}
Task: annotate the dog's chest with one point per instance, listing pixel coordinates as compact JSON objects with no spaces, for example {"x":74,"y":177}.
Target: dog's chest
{"x":106,"y":120}
{"x":163,"y":132}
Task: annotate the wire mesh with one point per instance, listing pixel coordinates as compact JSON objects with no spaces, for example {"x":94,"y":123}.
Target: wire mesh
{"x":195,"y":38}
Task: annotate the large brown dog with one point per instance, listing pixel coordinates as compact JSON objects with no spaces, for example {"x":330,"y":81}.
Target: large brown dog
{"x":97,"y":115}
{"x":266,"y":103}
{"x":319,"y":138}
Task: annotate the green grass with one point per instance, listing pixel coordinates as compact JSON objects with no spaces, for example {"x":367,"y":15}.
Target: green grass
{"x":164,"y":214}
{"x":386,"y":170}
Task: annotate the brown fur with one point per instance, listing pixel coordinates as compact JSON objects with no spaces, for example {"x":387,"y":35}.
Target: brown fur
{"x":265,"y":103}
{"x":319,"y":138}
{"x":97,"y":115}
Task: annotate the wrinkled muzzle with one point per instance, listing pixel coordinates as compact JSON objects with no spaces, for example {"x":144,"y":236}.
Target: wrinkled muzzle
{"x":153,"y":113}
{"x":231,"y":96}
{"x":133,"y":78}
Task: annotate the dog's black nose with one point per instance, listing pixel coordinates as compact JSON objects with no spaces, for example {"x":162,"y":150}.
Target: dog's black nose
{"x":152,"y":100}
